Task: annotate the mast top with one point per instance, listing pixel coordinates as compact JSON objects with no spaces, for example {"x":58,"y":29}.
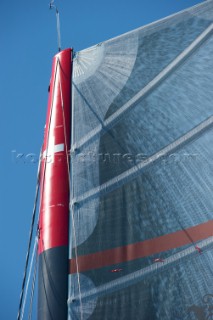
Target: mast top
{"x":53,"y":6}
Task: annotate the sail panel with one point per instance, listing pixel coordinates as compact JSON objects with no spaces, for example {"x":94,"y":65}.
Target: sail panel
{"x":141,"y":171}
{"x":168,"y":106}
{"x":160,"y":294}
{"x":135,"y":59}
{"x":169,"y":194}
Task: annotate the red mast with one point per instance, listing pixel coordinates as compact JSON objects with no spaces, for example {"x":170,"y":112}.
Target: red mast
{"x":54,"y":194}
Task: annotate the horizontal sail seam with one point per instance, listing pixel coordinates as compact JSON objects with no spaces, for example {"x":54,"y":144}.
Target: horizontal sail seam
{"x":109,"y":123}
{"x":134,"y":171}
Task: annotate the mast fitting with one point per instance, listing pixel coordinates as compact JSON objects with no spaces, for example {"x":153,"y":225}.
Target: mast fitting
{"x":53,"y":6}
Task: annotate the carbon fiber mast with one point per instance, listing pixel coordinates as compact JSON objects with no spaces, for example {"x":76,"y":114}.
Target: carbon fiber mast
{"x":54,"y":190}
{"x":54,"y":194}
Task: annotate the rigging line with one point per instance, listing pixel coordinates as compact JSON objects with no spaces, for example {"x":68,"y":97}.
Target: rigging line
{"x":30,"y":239}
{"x":42,"y":180}
{"x":72,"y":209}
{"x":116,"y":116}
{"x":134,"y":277}
{"x":130,"y":174}
{"x":52,"y":6}
{"x":33,"y":284}
{"x":29,"y":276}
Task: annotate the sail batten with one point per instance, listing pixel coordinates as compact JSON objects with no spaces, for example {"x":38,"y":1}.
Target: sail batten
{"x":129,"y":280}
{"x":135,"y":171}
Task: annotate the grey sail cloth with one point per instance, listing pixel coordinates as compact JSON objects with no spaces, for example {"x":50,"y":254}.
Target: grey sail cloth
{"x":141,"y":168}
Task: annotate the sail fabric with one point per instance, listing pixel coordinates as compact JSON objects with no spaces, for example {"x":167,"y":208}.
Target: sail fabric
{"x":141,"y":204}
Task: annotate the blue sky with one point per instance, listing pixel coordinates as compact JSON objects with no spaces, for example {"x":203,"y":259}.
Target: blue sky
{"x":28,"y":42}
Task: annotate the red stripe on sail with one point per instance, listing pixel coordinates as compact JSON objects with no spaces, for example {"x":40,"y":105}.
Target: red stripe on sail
{"x":142,"y":249}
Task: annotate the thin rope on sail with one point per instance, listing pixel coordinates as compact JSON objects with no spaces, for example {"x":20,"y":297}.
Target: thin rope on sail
{"x":72,"y":209}
{"x":111,"y":121}
{"x":135,"y":277}
{"x":136,"y":170}
{"x":33,"y":219}
{"x":29,"y":276}
{"x":30,"y":239}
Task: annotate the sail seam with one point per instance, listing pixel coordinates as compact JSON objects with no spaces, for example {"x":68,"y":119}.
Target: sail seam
{"x":130,"y":174}
{"x":111,"y":121}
